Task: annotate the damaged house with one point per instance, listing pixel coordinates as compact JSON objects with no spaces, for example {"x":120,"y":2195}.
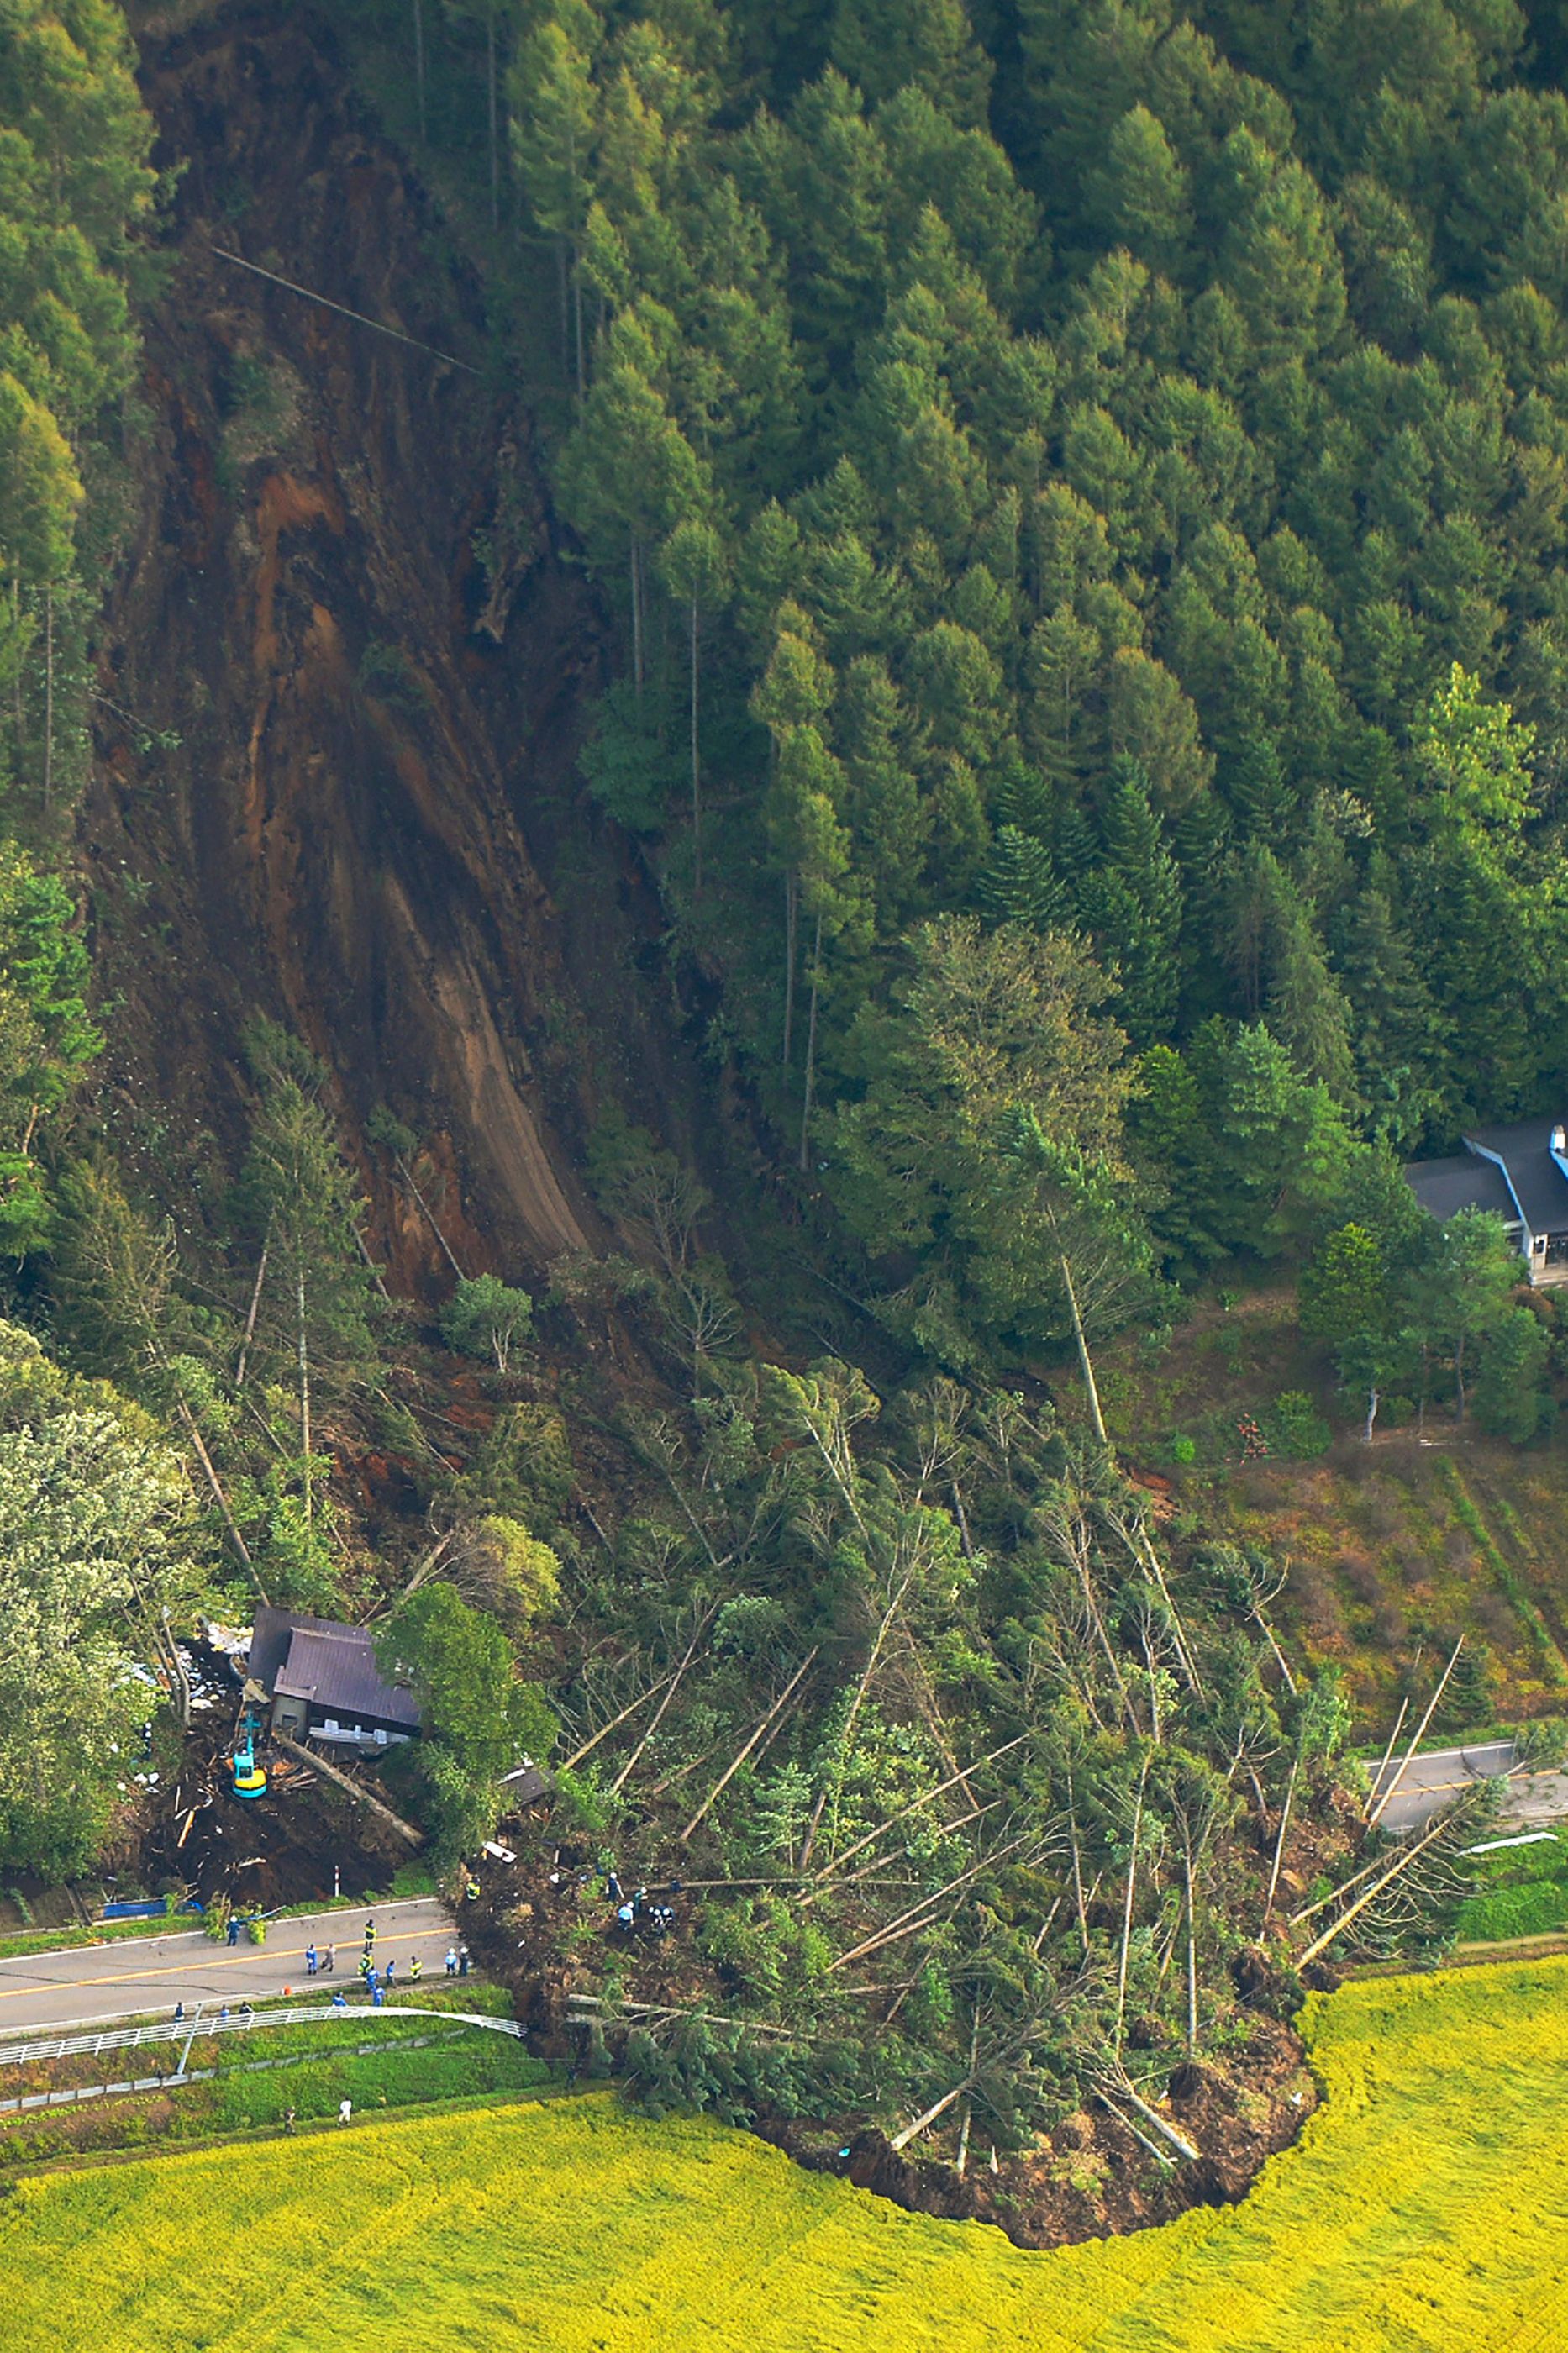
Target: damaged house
{"x":323,"y":1682}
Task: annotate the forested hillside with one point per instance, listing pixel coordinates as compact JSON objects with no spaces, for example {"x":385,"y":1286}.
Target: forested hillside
{"x":895,"y":746}
{"x":1086,"y":472}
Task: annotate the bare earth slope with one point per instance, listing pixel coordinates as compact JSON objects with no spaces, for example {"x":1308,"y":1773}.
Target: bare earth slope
{"x":369,"y":728}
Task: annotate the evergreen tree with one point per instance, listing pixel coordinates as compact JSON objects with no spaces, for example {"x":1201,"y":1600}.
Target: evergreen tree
{"x":1020,"y":885}
{"x":1132,"y":902}
{"x":1143,"y":194}
{"x":317,"y":1310}
{"x":928,"y":44}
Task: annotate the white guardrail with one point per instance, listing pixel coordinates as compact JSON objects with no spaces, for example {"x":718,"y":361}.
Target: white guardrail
{"x":198,"y":2023}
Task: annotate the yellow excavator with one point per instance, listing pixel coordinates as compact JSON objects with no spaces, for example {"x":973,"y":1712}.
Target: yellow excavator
{"x":249,"y":1774}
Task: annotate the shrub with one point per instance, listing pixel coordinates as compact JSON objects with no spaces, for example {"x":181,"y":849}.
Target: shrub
{"x":1295,"y":1428}
{"x":385,"y":672}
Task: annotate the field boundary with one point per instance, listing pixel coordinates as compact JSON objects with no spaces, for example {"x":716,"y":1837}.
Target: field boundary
{"x":70,"y":2094}
{"x":192,"y":2029}
{"x":245,"y":2136}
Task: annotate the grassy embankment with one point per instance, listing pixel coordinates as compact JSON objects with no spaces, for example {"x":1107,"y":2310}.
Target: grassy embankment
{"x":1423,"y":2212}
{"x":414,"y":2061}
{"x":409,"y":1882}
{"x":1389,"y":1548}
{"x":1522,"y":1892}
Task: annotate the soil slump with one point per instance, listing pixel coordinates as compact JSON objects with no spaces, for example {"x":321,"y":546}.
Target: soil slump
{"x":324,"y":733}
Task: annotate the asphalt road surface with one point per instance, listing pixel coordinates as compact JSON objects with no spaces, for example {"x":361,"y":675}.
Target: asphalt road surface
{"x":1433,"y":1780}
{"x":148,"y":1975}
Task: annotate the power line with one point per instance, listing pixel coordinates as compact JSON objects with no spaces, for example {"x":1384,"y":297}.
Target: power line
{"x":342,"y":310}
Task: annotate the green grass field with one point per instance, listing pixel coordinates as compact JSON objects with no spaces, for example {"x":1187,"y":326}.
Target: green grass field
{"x":1425,"y":2210}
{"x":1523,"y":1891}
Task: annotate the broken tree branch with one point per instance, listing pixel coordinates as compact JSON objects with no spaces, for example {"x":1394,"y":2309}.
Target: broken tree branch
{"x":734,"y":1765}
{"x":605,"y":1730}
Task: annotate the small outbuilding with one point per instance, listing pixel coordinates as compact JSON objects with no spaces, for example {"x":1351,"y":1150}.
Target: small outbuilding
{"x":324,"y":1683}
{"x":1522,"y":1172}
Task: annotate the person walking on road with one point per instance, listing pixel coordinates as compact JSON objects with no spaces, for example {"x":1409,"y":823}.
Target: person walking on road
{"x":416,"y":1969}
{"x":231,"y":1933}
{"x":462,"y":1960}
{"x":451,"y":1960}
{"x":310,"y":1961}
{"x":387,"y":1974}
{"x":330,"y":1960}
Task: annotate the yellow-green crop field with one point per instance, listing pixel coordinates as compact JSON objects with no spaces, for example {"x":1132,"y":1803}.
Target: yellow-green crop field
{"x":1425,"y":2210}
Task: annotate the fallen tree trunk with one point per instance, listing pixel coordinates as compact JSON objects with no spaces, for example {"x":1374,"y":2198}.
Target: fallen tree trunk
{"x":1385,"y":1797}
{"x":1402,"y":1863}
{"x":350,"y":1788}
{"x":771,"y":1718}
{"x":1161,"y":2125}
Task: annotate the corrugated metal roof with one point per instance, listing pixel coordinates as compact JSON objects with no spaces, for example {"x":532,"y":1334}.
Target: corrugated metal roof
{"x":269,"y":1640}
{"x":335,"y":1668}
{"x":329,"y":1664}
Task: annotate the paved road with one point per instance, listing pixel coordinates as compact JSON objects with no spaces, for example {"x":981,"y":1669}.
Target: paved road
{"x":1436,"y":1779}
{"x":151,"y":1974}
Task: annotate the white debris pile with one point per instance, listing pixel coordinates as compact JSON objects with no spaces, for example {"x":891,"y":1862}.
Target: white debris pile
{"x":203,"y":1692}
{"x":233,"y":1641}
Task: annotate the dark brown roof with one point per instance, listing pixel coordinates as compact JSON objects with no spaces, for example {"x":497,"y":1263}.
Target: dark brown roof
{"x":330,"y":1665}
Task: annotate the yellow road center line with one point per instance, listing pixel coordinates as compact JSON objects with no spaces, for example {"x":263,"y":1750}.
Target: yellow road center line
{"x":1431,"y":1788}
{"x":222,"y":1958}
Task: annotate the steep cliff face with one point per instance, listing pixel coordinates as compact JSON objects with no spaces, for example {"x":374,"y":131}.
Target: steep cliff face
{"x":331,"y":741}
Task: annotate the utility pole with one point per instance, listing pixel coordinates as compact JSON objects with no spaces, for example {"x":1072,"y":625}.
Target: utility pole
{"x":186,"y":2053}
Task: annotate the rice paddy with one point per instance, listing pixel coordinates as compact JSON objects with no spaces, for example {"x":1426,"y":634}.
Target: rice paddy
{"x":1425,"y":2210}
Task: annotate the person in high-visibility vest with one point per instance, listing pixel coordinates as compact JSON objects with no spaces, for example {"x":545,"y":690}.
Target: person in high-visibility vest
{"x":416,"y":1969}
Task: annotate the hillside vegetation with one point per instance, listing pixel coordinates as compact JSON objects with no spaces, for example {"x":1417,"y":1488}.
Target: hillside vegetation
{"x":1057,"y":740}
{"x":1409,"y":2220}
